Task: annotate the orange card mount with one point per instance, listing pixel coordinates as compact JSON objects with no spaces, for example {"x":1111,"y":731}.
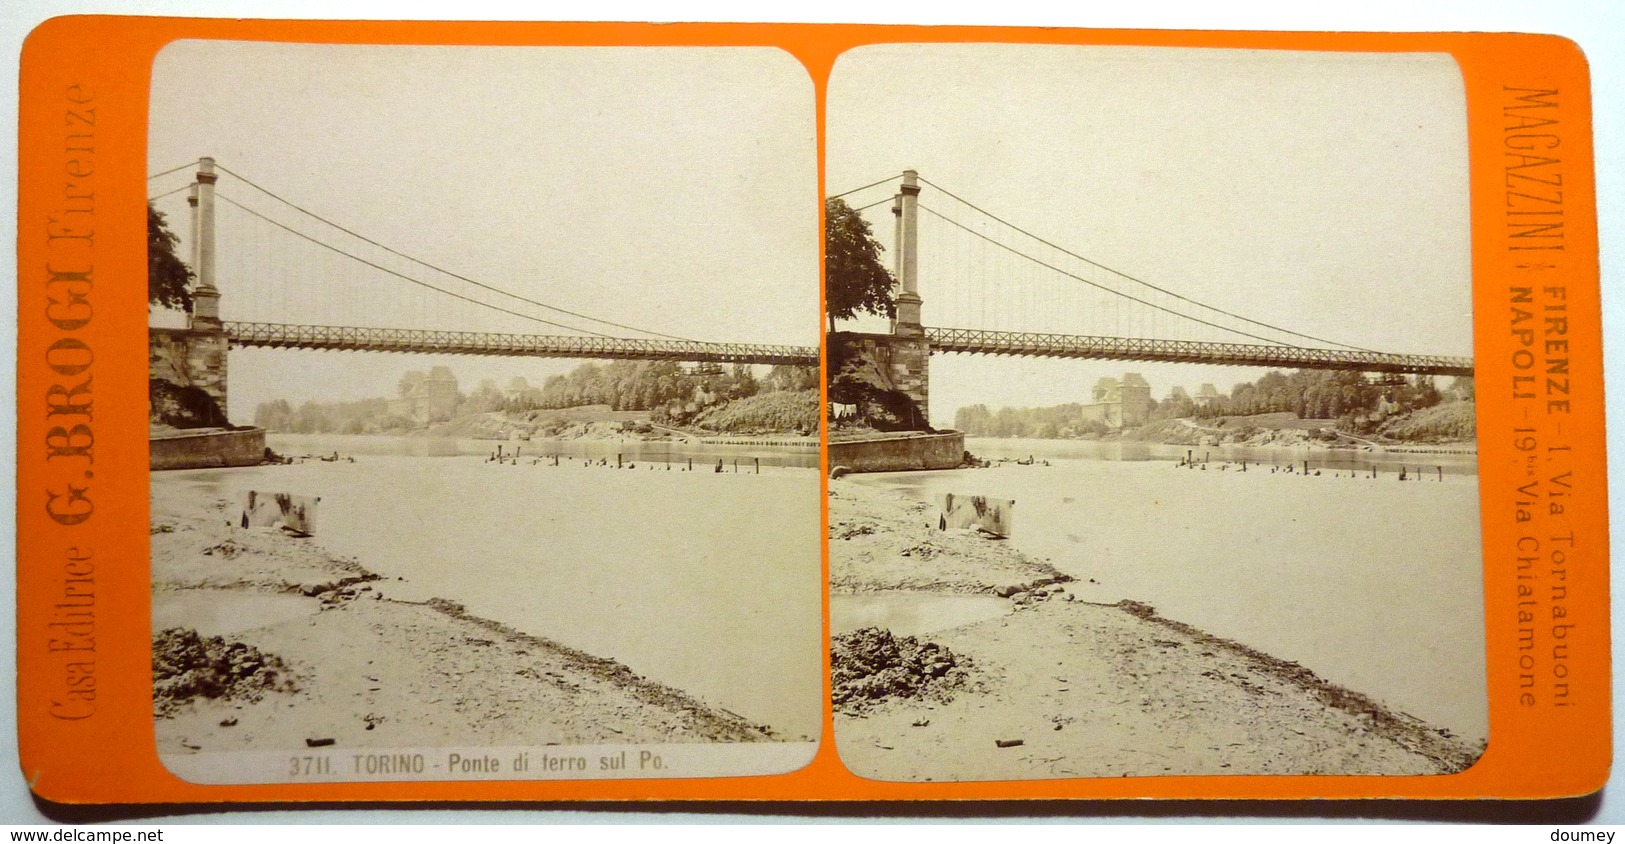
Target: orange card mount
{"x":487,"y":455}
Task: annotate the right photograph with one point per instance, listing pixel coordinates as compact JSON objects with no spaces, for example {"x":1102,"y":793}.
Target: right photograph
{"x":1151,"y":414}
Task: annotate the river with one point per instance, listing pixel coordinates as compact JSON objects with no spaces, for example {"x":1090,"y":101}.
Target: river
{"x":710,"y":583}
{"x":631,"y":448}
{"x":1374,"y":584}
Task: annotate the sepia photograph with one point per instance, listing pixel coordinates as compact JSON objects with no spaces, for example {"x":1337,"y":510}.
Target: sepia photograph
{"x":1151,"y":404}
{"x":485,"y":414}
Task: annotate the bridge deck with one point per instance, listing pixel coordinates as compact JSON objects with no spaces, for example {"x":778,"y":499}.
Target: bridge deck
{"x":344,"y":338}
{"x":1186,"y":351}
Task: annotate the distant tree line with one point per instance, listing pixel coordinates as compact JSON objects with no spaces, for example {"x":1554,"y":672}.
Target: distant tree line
{"x":672,"y":394}
{"x":367,"y":416}
{"x":1358,"y":405}
{"x":1064,"y":421}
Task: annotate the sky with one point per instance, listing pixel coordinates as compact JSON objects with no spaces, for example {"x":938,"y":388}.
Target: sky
{"x":667,"y":189}
{"x":1322,"y":192}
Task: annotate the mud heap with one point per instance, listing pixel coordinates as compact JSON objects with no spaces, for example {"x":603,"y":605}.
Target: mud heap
{"x":871,"y":665}
{"x":186,"y":666}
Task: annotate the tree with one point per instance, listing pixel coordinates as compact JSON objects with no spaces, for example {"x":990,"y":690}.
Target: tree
{"x":409,"y":383}
{"x":486,"y":397}
{"x":855,"y":281}
{"x":791,"y":378}
{"x":168,"y":278}
{"x":274,"y":415}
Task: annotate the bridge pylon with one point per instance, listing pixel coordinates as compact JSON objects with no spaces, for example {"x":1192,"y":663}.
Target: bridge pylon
{"x":906,"y":207}
{"x":205,"y":296}
{"x":195,"y":356}
{"x":910,"y":351}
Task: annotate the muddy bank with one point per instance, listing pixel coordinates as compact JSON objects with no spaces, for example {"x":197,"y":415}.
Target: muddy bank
{"x":1063,"y":687}
{"x":707,"y":582}
{"x":870,"y":666}
{"x":882,"y":541}
{"x":284,"y":646}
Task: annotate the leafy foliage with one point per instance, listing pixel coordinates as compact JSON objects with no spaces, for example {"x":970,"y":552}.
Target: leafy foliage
{"x":855,"y":379}
{"x":182,"y":407}
{"x":168,"y":278}
{"x":672,"y":394}
{"x":1357,"y":405}
{"x":1063,"y":421}
{"x":779,"y":411}
{"x":366,"y":416}
{"x":855,"y":280}
{"x":1449,"y":422}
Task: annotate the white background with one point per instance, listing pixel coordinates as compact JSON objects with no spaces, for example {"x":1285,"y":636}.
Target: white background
{"x":1598,"y":26}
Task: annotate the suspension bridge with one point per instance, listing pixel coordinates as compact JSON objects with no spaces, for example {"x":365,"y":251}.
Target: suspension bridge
{"x":300,"y":280}
{"x":1005,"y":290}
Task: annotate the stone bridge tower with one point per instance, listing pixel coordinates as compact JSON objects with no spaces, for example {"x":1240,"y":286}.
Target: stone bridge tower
{"x":901,"y":356}
{"x":910,"y":358}
{"x":195,"y":356}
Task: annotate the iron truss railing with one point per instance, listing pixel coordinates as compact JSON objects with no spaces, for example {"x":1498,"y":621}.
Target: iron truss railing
{"x":1186,"y":351}
{"x":346,"y":338}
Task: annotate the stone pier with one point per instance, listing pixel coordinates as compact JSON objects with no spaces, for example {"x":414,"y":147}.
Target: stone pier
{"x":195,"y":356}
{"x":189,"y":357}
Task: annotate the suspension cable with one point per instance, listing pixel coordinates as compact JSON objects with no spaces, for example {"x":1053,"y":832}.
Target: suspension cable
{"x":1099,"y":286}
{"x":420,"y":262}
{"x":1141,"y":282}
{"x":171,"y":170}
{"x":405,"y":277}
{"x":169,"y":193}
{"x":855,"y":190}
{"x":872,"y":204}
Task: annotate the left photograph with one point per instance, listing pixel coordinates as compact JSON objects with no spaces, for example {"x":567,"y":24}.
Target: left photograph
{"x":484,"y":412}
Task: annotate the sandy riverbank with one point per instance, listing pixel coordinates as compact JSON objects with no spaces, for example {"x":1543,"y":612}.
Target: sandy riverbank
{"x":369,"y":669}
{"x":1073,"y":688}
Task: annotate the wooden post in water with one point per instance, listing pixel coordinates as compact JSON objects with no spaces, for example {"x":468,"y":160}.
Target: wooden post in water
{"x":758,"y":465}
{"x":690,"y":465}
{"x":1306,"y":468}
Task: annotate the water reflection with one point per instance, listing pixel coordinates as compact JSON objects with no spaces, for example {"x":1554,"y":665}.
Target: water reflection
{"x":674,"y":452}
{"x":1448,"y":461}
{"x":911,"y":613}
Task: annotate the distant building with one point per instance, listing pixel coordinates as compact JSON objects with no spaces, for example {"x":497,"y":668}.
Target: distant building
{"x":1119,"y":404}
{"x":1205,"y":396}
{"x":431,"y":399}
{"x":705,"y":369}
{"x":1178,"y":393}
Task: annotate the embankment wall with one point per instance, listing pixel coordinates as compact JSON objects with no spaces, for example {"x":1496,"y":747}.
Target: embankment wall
{"x":943,"y":450}
{"x":189,"y":357}
{"x":208,"y":449}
